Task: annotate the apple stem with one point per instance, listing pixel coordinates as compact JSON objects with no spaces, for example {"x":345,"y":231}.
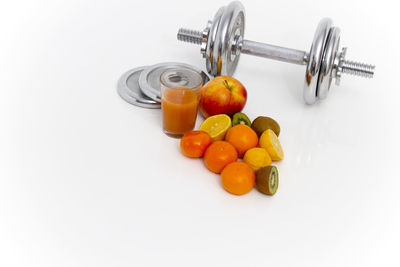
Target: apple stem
{"x":227,"y":85}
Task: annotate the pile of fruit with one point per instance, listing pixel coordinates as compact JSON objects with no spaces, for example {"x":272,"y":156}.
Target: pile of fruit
{"x":230,"y":144}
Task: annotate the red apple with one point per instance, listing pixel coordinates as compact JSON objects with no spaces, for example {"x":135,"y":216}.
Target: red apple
{"x":222,"y":95}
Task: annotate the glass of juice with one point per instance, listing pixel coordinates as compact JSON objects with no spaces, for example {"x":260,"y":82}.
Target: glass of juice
{"x":180,"y":95}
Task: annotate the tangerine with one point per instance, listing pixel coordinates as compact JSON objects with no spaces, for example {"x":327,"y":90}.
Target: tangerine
{"x":194,"y":144}
{"x":242,"y":137}
{"x":218,"y":155}
{"x":238,"y":178}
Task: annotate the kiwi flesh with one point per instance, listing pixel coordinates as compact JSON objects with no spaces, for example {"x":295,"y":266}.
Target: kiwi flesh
{"x":262,"y":123}
{"x":240,"y":118}
{"x":267,"y":180}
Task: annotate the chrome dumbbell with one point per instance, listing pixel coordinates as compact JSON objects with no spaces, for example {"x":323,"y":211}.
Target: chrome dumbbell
{"x":222,"y":43}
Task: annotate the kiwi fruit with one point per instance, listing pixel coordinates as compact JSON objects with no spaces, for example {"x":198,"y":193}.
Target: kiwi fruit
{"x":267,"y":180}
{"x":262,"y":123}
{"x":240,"y":118}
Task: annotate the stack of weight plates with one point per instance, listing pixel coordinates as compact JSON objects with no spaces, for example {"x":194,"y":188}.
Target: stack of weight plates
{"x":141,"y":86}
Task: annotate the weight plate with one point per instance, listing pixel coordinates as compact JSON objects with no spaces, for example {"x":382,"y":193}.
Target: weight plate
{"x":231,"y":24}
{"x":149,"y":80}
{"x":325,"y":75}
{"x":314,"y":61}
{"x":128,"y":89}
{"x":211,"y":61}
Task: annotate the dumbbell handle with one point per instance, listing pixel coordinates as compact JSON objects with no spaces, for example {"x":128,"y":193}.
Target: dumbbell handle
{"x":300,"y":57}
{"x":252,"y":48}
{"x":274,"y":52}
{"x":278,"y":53}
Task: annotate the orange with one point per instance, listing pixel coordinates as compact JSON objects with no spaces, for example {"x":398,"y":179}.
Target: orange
{"x":238,"y":178}
{"x":218,"y":155}
{"x":217,"y":126}
{"x":194,"y":143}
{"x":242,"y":137}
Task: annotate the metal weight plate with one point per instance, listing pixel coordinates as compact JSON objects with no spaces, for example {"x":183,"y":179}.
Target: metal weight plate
{"x":330,"y":51}
{"x":149,"y":80}
{"x":211,"y":61}
{"x":231,"y":24}
{"x":314,"y":61}
{"x":128,"y":89}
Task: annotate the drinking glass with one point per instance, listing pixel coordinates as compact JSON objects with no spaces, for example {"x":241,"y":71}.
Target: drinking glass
{"x":179,"y":100}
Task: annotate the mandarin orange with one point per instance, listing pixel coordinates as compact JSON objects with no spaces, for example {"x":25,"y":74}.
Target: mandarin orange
{"x":238,"y":178}
{"x":194,"y":144}
{"x":242,"y":137}
{"x":218,"y":155}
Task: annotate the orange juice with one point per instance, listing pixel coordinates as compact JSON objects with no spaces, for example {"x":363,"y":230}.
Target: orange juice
{"x":179,"y":109}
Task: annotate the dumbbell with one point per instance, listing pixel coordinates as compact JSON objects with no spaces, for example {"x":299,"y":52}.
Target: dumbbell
{"x":222,"y":43}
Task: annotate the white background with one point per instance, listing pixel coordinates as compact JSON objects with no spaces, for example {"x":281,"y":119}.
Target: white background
{"x":89,"y":180}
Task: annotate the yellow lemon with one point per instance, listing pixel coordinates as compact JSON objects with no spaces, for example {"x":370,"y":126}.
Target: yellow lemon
{"x":217,"y":126}
{"x":257,"y":158}
{"x":270,"y":142}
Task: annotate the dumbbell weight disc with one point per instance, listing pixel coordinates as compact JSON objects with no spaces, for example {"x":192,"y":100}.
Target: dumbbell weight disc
{"x":325,"y":76}
{"x":129,"y":90}
{"x":211,"y":60}
{"x":314,"y":61}
{"x":231,"y":24}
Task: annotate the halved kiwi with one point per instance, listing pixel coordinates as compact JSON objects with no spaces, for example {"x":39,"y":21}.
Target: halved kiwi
{"x":240,"y":118}
{"x":262,"y":123}
{"x":267,"y":180}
